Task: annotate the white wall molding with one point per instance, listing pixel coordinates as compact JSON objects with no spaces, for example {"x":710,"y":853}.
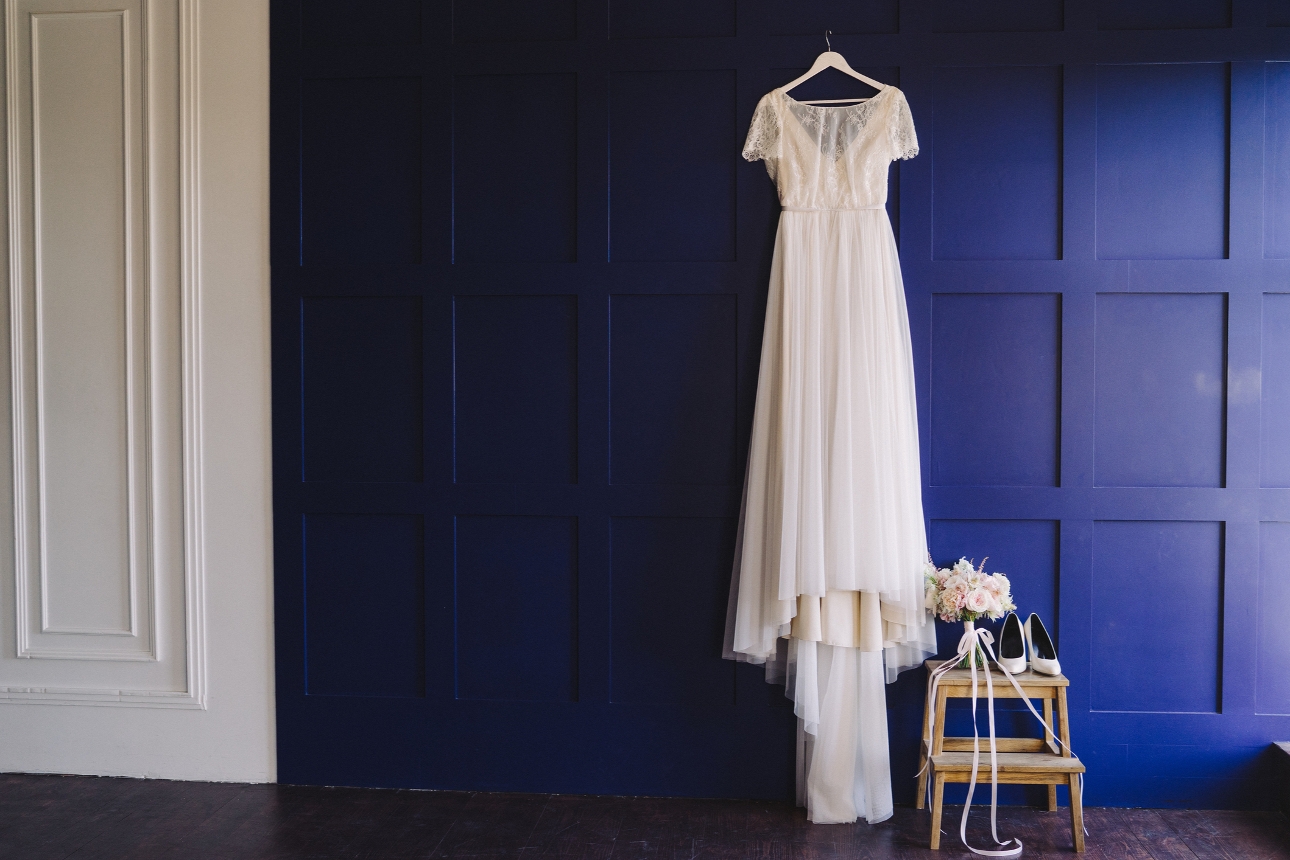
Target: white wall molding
{"x":191,"y":344}
{"x":210,"y":262}
{"x":164,"y":444}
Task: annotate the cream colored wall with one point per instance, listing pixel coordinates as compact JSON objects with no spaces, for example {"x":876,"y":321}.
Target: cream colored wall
{"x":198,"y":703}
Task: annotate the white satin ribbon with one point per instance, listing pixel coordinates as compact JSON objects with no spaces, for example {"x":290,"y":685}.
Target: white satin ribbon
{"x":980,"y":639}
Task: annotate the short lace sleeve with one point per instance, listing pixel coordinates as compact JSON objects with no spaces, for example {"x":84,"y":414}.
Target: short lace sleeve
{"x":904,"y":141}
{"x":763,"y":134}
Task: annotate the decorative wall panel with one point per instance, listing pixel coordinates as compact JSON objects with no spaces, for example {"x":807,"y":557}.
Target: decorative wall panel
{"x":996,"y":396}
{"x":997,"y":16}
{"x":357,"y":22}
{"x":497,"y":20}
{"x":364,"y":595}
{"x":813,"y":17}
{"x":1274,"y":436}
{"x":361,"y":361}
{"x":1157,"y":596}
{"x":1272,"y":693}
{"x":106,"y":486}
{"x":1276,"y":162}
{"x":507,"y":207}
{"x":516,"y":599}
{"x":361,"y":171}
{"x":516,"y":385}
{"x":669,"y":605}
{"x":671,"y":156}
{"x":672,"y":389}
{"x":1161,"y":385}
{"x":635,"y":19}
{"x":1162,"y":161}
{"x":91,"y":338}
{"x":1163,"y":15}
{"x":997,"y":169}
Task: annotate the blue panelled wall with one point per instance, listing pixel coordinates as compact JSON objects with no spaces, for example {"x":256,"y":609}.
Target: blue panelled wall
{"x":519,"y":276}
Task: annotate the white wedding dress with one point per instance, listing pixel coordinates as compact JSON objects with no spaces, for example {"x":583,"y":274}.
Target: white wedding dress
{"x":828,"y":575}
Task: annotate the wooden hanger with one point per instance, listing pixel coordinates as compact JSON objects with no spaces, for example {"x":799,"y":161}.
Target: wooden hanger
{"x":831,"y":59}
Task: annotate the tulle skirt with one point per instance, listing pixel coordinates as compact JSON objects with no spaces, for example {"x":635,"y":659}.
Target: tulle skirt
{"x":831,"y":538}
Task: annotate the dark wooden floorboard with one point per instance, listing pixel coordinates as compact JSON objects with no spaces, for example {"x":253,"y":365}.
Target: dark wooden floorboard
{"x":99,"y":818}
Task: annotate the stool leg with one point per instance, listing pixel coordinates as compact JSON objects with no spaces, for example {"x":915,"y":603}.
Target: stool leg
{"x":1077,"y":814}
{"x":938,"y":794}
{"x":1052,"y":797}
{"x":923,"y":746}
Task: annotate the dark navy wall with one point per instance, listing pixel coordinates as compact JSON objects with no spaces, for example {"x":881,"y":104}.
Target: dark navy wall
{"x":519,"y":274}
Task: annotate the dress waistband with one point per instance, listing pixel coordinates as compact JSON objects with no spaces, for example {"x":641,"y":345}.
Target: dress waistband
{"x":852,"y":209}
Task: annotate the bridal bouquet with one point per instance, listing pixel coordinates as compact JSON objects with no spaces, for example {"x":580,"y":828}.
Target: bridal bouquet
{"x":965,"y":593}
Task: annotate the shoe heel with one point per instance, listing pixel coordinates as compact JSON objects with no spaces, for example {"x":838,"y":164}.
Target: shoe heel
{"x":1043,"y":653}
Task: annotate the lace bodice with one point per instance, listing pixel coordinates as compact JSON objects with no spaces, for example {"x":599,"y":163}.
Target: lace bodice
{"x":831,"y":157}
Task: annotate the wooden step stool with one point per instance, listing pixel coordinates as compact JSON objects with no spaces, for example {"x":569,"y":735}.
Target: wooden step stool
{"x":1027,"y":761}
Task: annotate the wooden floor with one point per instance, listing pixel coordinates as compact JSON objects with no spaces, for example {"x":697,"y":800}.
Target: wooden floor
{"x":127,"y":819}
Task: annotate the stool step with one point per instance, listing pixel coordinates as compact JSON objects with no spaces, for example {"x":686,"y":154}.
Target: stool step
{"x":1018,"y":763}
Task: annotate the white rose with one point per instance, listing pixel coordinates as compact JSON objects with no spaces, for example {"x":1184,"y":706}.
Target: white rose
{"x":978,"y":601}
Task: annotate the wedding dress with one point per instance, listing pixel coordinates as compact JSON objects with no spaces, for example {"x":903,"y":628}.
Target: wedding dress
{"x":827,"y":589}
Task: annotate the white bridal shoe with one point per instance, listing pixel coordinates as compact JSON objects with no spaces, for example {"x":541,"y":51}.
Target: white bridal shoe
{"x":1012,"y":645}
{"x":1043,"y":654}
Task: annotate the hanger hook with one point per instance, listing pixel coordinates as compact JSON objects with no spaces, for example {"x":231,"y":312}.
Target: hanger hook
{"x":827,"y":43}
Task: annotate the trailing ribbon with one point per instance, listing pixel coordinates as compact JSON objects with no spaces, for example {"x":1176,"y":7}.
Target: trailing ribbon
{"x":976,"y":640}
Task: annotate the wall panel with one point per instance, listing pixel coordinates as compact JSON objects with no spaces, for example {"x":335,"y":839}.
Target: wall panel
{"x":669,"y":610}
{"x":204,"y":708}
{"x":1157,"y":596}
{"x":1272,"y":694}
{"x":509,"y":208}
{"x":997,"y":163}
{"x":636,"y":19}
{"x":996,"y":16}
{"x":91,"y":340}
{"x":516,"y":600}
{"x":516,"y":388}
{"x":1162,"y":161}
{"x":1161,"y":385}
{"x":364,"y":595}
{"x":1274,"y":436}
{"x":95,"y":350}
{"x":672,"y":389}
{"x":1161,"y":15}
{"x":361,"y":170}
{"x":355,"y":22}
{"x":813,"y":17}
{"x":361,"y":362}
{"x":996,"y":394}
{"x":497,"y":20}
{"x":672,"y":189}
{"x":108,"y":603}
{"x":1276,"y":162}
